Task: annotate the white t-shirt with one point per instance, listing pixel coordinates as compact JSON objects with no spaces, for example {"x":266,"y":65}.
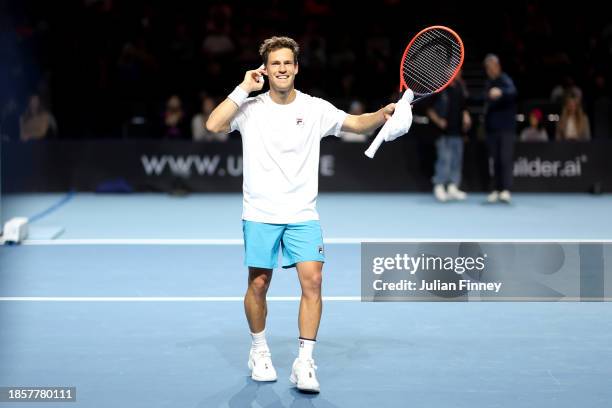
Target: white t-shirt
{"x":281,"y":146}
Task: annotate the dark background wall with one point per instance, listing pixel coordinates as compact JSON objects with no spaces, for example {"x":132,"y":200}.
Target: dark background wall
{"x":106,"y":68}
{"x":104,"y":64}
{"x":181,"y":167}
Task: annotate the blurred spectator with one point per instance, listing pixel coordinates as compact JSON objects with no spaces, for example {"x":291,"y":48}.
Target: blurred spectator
{"x":182,"y":51}
{"x":36,"y":122}
{"x":131,"y":53}
{"x":449,"y":114}
{"x":136,"y":63}
{"x":601,"y":108}
{"x":500,"y":127}
{"x":357,"y":108}
{"x":217,"y":44}
{"x":217,"y":41}
{"x":174,"y":121}
{"x":247,"y":45}
{"x":313,"y":48}
{"x":9,"y":120}
{"x":198,"y":128}
{"x":219,"y":17}
{"x":573,"y":122}
{"x":564,"y":89}
{"x":342,"y":56}
{"x":182,"y":45}
{"x":535,"y":132}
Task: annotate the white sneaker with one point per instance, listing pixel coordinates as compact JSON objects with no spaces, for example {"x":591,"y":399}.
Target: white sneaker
{"x":303,"y":375}
{"x":454,"y":193}
{"x":440,"y":193}
{"x":505,"y":196}
{"x":260,"y":364}
{"x":493,"y":197}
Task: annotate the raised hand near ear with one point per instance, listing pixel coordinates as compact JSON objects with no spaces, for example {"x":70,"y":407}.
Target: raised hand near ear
{"x":253,"y":79}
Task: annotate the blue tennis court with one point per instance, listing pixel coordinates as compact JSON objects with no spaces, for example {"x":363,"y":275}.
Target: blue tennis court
{"x":136,"y":301}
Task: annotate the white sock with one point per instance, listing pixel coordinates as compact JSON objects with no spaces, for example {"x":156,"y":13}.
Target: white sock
{"x":258,"y":341}
{"x":306,"y":348}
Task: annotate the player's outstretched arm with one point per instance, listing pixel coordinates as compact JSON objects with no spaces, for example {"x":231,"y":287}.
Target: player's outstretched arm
{"x":367,"y":122}
{"x":221,"y":117}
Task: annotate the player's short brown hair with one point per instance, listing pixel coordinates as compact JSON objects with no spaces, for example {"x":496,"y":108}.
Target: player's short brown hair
{"x":276,"y":43}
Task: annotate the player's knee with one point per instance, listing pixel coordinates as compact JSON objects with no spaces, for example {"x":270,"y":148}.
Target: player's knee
{"x":259,"y":285}
{"x":312,"y":284}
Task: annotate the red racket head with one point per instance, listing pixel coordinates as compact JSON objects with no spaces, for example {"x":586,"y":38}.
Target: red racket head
{"x":431,"y":61}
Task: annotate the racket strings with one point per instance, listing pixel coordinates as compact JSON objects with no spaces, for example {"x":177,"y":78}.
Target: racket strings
{"x":431,"y":67}
{"x":432,"y":61}
{"x":442,"y":50}
{"x":430,"y":72}
{"x":438,"y":54}
{"x":430,"y":78}
{"x":425,"y":79}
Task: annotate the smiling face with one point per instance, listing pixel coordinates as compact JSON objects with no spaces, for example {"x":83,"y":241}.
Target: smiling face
{"x":281,"y":69}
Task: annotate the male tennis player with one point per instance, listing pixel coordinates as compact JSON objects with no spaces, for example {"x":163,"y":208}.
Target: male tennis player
{"x":281,"y":131}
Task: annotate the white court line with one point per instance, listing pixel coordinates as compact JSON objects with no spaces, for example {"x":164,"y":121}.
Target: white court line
{"x":164,"y":298}
{"x":238,"y":241}
{"x":134,"y":241}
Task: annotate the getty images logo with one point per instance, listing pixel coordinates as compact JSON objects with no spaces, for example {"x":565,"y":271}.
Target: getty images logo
{"x":524,"y":167}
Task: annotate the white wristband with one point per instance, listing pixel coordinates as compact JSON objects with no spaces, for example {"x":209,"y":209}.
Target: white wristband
{"x":238,"y":95}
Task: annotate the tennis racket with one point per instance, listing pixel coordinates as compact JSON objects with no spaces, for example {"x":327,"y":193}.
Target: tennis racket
{"x":430,"y":63}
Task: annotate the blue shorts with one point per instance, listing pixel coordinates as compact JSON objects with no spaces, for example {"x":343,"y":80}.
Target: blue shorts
{"x":301,"y":241}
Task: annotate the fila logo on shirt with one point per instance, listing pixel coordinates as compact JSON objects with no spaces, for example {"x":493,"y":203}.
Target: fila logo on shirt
{"x":299,"y":121}
{"x":321,"y":250}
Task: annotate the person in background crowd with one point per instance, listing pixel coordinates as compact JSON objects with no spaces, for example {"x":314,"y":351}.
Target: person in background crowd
{"x":535,"y":132}
{"x":564,"y":89}
{"x":174,"y":122}
{"x":36,"y":122}
{"x":356,"y":108}
{"x":573,"y":123}
{"x":198,"y":123}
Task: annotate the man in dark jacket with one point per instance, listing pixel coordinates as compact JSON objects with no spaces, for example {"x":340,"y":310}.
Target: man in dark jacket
{"x":500,"y":125}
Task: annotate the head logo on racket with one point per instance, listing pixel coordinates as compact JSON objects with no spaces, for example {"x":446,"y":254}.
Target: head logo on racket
{"x":431,"y":61}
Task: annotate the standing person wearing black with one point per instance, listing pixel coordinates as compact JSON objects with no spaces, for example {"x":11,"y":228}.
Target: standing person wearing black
{"x":500,"y":126}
